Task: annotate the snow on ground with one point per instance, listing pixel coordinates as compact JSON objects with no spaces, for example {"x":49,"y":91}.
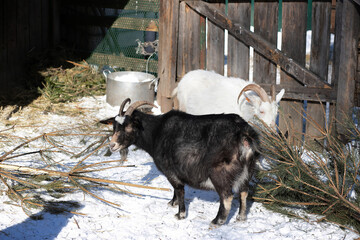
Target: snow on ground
{"x":148,"y":216}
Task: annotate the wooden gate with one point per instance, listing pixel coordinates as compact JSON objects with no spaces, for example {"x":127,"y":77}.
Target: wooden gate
{"x":191,"y":36}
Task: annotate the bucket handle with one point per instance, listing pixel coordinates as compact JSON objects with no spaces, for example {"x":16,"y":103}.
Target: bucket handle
{"x":154,"y":83}
{"x":106,"y":72}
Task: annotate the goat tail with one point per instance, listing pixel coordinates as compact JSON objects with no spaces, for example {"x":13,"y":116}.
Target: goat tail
{"x":250,"y":140}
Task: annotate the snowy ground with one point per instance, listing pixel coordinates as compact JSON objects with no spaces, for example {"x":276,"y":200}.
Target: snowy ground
{"x":148,"y":216}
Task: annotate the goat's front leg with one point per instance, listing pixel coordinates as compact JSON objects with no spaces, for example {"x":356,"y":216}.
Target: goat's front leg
{"x":174,"y":201}
{"x":178,"y":198}
{"x":180,"y":193}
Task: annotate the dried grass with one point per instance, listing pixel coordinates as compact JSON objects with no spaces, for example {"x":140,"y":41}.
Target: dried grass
{"x":30,"y":176}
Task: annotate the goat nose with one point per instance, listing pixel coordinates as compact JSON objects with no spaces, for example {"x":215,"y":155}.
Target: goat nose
{"x":112,"y":145}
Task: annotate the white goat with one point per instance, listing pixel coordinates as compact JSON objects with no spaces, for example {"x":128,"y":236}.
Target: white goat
{"x":204,"y":92}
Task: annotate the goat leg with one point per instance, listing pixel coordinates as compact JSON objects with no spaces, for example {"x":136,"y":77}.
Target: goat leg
{"x":224,"y":209}
{"x":174,"y":201}
{"x":179,"y":197}
{"x":180,"y":194}
{"x":242,"y":211}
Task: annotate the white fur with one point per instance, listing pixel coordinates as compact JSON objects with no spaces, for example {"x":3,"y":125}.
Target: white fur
{"x":204,"y":92}
{"x":207,"y":184}
{"x":240,"y":179}
{"x":119,"y":119}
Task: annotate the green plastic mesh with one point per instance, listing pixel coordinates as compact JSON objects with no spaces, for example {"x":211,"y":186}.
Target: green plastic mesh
{"x":136,"y":25}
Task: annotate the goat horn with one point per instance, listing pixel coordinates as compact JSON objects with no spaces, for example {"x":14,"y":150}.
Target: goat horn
{"x":121,"y":111}
{"x":258,"y":90}
{"x":136,"y":105}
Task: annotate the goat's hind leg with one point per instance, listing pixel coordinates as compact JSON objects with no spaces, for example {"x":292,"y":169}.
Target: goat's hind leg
{"x":242,"y":211}
{"x":224,"y":209}
{"x":226,"y":197}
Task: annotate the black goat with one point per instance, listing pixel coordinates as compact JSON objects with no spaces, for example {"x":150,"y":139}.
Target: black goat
{"x":214,"y":152}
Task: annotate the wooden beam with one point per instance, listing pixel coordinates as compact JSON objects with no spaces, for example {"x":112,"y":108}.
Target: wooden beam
{"x":168,"y":41}
{"x":357,"y":2}
{"x":304,"y":93}
{"x":265,"y":48}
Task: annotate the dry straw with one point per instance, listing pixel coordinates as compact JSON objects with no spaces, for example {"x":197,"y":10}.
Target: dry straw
{"x":27,"y":185}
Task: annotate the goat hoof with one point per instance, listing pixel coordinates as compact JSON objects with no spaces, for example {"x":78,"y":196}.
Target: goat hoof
{"x":173,"y":203}
{"x":180,"y":215}
{"x":218,"y":222}
{"x":240,"y":218}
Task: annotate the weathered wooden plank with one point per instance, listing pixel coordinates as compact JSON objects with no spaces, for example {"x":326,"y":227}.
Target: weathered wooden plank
{"x":304,"y":93}
{"x":347,"y":30}
{"x":266,"y":26}
{"x":333,"y":7}
{"x":215,"y":44}
{"x":267,"y":49}
{"x":168,"y":29}
{"x":189,"y":41}
{"x":319,"y":59}
{"x":293,"y":45}
{"x":238,"y":53}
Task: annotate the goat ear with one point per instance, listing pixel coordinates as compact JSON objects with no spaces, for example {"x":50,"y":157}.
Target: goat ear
{"x":247,"y":98}
{"x":279,"y":95}
{"x":252,"y":101}
{"x":108,"y":121}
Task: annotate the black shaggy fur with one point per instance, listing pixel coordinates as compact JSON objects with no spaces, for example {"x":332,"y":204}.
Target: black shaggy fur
{"x":215,"y":152}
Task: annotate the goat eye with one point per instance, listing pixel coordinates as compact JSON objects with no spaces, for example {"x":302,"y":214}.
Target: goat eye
{"x":262,"y":112}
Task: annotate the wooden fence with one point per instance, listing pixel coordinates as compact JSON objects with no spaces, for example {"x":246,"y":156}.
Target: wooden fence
{"x":185,"y":45}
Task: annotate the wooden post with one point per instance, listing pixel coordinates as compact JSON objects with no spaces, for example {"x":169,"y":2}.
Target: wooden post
{"x":238,"y":53}
{"x":168,"y":29}
{"x":319,"y":60}
{"x":347,"y":36}
{"x":293,"y":45}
